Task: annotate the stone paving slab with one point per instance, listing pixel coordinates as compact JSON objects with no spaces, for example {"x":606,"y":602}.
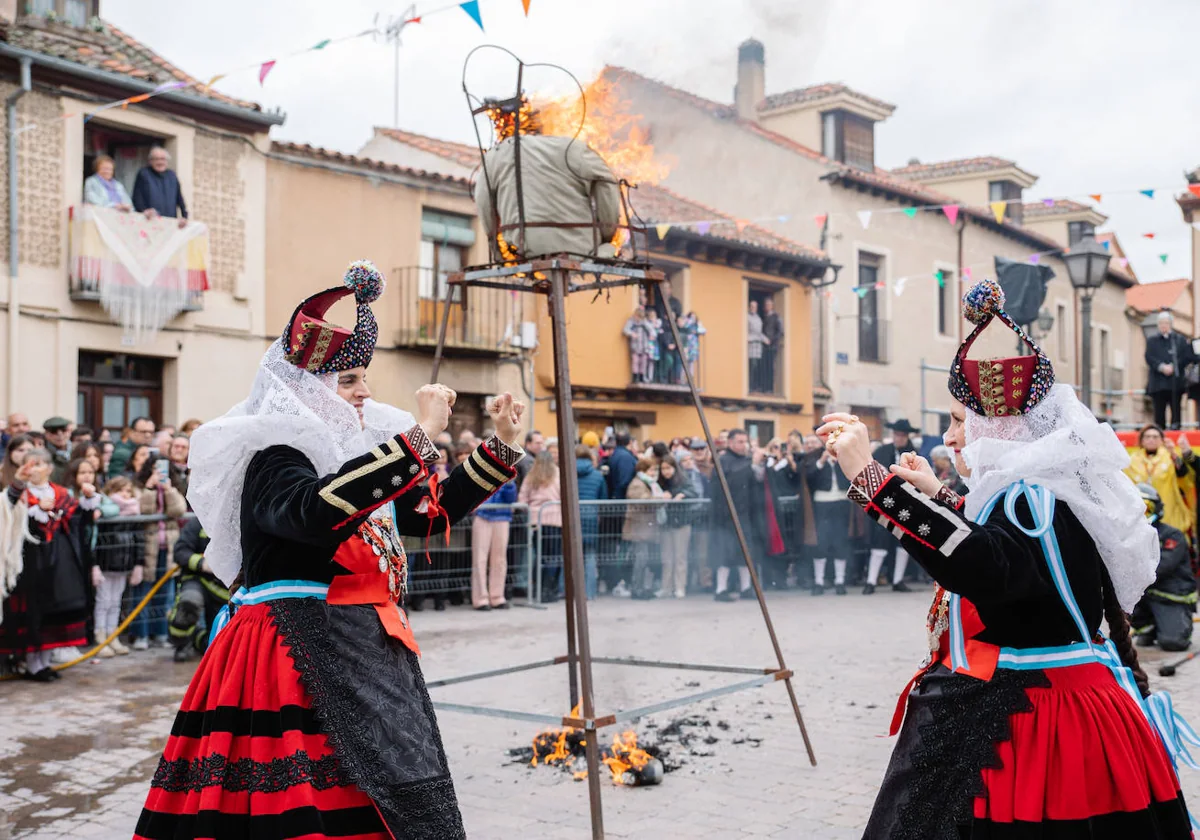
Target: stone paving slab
{"x":76,"y":756}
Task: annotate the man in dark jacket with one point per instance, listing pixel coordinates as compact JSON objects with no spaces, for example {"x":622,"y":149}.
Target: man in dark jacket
{"x":670,"y":363}
{"x":1168,"y":353}
{"x":58,"y":444}
{"x":772,"y":327}
{"x":156,"y":190}
{"x":745,"y":473}
{"x":1164,"y":615}
{"x":622,"y":467}
{"x":592,"y":488}
{"x":882,"y":543}
{"x":200,"y":595}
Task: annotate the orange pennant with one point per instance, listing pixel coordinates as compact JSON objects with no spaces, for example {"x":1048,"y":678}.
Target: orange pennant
{"x":525,"y":3}
{"x":741,"y":225}
{"x":1194,"y":189}
{"x":1148,"y":235}
{"x":1096,"y":197}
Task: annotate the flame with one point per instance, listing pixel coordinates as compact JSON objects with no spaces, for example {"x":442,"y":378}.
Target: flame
{"x":626,"y":755}
{"x":551,"y":746}
{"x":610,"y":128}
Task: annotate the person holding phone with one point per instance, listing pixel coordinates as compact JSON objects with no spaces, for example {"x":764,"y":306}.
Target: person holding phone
{"x":157,"y":494}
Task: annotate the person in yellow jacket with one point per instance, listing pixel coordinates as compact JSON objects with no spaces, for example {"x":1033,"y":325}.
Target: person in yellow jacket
{"x":1169,"y":469}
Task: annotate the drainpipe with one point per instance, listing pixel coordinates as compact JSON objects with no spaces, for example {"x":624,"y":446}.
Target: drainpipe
{"x":14,"y":257}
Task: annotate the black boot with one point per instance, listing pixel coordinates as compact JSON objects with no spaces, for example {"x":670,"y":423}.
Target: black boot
{"x":869,"y":589}
{"x":900,"y":587}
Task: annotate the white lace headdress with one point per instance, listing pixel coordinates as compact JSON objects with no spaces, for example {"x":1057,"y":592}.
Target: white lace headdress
{"x":290,"y":406}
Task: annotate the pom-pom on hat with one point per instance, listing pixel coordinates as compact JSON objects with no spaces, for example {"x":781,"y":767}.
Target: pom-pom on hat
{"x":318,"y":346}
{"x":997,"y":387}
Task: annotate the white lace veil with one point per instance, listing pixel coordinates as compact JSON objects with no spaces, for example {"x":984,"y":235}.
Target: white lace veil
{"x":1061,"y":446}
{"x":289,"y":406}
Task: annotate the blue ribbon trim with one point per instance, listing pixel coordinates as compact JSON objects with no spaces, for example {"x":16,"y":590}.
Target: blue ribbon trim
{"x":264,"y":592}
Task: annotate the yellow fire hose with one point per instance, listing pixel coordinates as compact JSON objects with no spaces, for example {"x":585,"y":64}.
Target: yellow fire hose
{"x":158,"y":584}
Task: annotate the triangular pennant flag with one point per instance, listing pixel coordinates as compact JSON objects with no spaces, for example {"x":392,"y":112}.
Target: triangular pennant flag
{"x":966,"y":272}
{"x":662,"y":230}
{"x":471,"y":7}
{"x":864,"y":218}
{"x":1035,"y":258}
{"x":1107,"y":244}
{"x":998,"y":208}
{"x":703,"y":228}
{"x":1095,"y":197}
{"x":141,"y":97}
{"x":413,"y":20}
{"x":320,"y":45}
{"x":1049,"y":202}
{"x":741,"y":225}
{"x":214,"y":80}
{"x":783,"y":220}
{"x":820,"y":219}
{"x":1124,"y":263}
{"x":861,"y":291}
{"x":911,"y":212}
{"x":1163,"y":257}
{"x":264,"y":70}
{"x":900,"y":284}
{"x":170,"y":86}
{"x":1148,"y":235}
{"x":1194,"y":189}
{"x":1147,"y":193}
{"x":941,"y":278}
{"x":880,"y":285}
{"x":525,"y":3}
{"x":951,"y":211}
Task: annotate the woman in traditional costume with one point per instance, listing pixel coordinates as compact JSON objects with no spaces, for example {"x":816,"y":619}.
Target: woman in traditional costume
{"x":308,"y":715}
{"x":1025,"y":721}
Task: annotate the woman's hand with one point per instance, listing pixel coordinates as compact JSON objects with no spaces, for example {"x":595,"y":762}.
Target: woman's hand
{"x":88,"y":490}
{"x":135,"y":577}
{"x":506,"y":418}
{"x":847,"y":441}
{"x":153,"y":479}
{"x":25,"y":471}
{"x":46,"y":503}
{"x":434,"y":404}
{"x":917,"y":471}
{"x":97,"y":576}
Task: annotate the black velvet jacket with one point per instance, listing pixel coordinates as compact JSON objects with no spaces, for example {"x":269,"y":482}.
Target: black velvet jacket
{"x":293,"y":519}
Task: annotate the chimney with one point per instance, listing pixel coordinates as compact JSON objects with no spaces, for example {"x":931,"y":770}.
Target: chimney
{"x":751,"y":79}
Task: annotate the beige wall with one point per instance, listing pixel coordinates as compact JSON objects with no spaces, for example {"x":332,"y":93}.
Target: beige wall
{"x":801,"y":125}
{"x":383,"y":148}
{"x":222,"y":179}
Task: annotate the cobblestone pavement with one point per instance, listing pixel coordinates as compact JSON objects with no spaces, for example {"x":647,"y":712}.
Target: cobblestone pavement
{"x":75,"y":757}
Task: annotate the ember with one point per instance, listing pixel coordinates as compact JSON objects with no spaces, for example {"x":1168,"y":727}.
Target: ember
{"x":628,"y":763}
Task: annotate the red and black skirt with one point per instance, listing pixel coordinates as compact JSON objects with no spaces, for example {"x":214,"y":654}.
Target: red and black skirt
{"x":303,"y":720}
{"x":1055,"y":754}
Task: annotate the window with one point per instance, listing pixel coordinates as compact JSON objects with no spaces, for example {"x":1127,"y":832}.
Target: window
{"x":872,"y":332}
{"x":444,"y":242}
{"x":760,"y":432}
{"x":1078,"y":231}
{"x":74,"y":12}
{"x":130,"y":150}
{"x":1008,"y":191}
{"x":766,"y":375}
{"x":947,"y":308}
{"x":115,"y":388}
{"x":1060,"y":321}
{"x":848,"y":138}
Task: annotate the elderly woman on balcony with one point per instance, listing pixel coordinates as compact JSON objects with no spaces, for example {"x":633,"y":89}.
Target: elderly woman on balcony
{"x":102,"y":189}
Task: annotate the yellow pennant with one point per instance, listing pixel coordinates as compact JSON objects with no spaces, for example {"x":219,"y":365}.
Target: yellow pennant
{"x":998,"y":208}
{"x":662,"y":230}
{"x":214,"y":80}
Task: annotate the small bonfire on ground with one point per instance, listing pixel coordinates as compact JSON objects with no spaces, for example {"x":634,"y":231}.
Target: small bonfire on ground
{"x":628,"y":763}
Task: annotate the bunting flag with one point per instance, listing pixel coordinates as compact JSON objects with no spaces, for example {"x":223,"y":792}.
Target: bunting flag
{"x":662,"y":230}
{"x":133,"y":100}
{"x":820,"y":219}
{"x":783,"y":220}
{"x":900,"y":284}
{"x":861,"y":291}
{"x":941,"y":278}
{"x":471,"y":7}
{"x":1095,"y":197}
{"x":703,"y":228}
{"x":1049,"y":202}
{"x":1123,"y":262}
{"x":998,"y":208}
{"x":1035,"y":258}
{"x":951,"y":211}
{"x":165,"y":86}
{"x":911,"y":212}
{"x":966,"y":272}
{"x":1107,"y":245}
{"x":264,"y":70}
{"x":525,"y":3}
{"x":1147,"y":193}
{"x":1163,"y":257}
{"x":1147,"y":236}
{"x":1194,"y":189}
{"x":320,"y":45}
{"x":741,"y":225}
{"x":214,"y":80}
{"x":864,"y":218}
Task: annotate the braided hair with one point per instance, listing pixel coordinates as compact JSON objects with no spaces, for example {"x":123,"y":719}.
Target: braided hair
{"x":1118,"y":631}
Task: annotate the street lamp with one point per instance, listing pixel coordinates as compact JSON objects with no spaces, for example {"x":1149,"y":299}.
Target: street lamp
{"x":1087,"y":264}
{"x":1045,"y":322}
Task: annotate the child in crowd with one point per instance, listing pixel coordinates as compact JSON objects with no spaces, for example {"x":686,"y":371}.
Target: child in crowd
{"x":116,"y":558}
{"x":639,"y":350}
{"x":653,"y":327}
{"x":692,"y":329}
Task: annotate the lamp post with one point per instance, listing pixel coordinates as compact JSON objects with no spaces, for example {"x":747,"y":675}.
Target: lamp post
{"x":1087,"y":264}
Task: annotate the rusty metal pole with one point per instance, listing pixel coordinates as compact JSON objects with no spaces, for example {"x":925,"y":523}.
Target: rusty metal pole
{"x":572,"y":536}
{"x":441,"y":343}
{"x":741,"y":536}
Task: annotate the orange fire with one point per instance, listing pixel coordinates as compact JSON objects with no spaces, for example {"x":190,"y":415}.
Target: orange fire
{"x":610,"y":127}
{"x":564,"y":746}
{"x":626,"y":755}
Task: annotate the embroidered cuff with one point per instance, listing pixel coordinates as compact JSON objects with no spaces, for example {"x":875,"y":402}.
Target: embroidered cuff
{"x":485,"y":467}
{"x":422,"y":445}
{"x":374,"y":479}
{"x":906,"y":511}
{"x":866,"y":484}
{"x":508,"y":454}
{"x":948,"y":497}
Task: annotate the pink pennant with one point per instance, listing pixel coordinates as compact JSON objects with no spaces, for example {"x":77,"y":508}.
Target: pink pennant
{"x":1049,"y":202}
{"x":820,"y":219}
{"x":264,"y":70}
{"x":1124,"y":263}
{"x":951,"y":211}
{"x":1035,"y":258}
{"x":967,"y":272}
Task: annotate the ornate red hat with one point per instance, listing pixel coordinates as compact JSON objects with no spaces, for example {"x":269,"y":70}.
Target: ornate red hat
{"x":318,"y":346}
{"x":997,"y":387}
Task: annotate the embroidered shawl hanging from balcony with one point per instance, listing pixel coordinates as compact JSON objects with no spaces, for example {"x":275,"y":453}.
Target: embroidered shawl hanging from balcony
{"x":144,"y":272}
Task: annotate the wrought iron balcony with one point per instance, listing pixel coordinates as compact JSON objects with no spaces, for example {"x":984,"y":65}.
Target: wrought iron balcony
{"x":481,"y":321}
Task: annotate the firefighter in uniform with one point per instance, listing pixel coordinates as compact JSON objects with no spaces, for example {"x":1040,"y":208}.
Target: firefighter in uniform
{"x":1164,"y":615}
{"x":200,"y":595}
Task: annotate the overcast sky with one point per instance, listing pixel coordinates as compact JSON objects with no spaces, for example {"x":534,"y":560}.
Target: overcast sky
{"x":1093,"y":97}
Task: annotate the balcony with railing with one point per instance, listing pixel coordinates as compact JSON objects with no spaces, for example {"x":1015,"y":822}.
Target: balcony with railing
{"x":666,"y":373}
{"x":481,"y":321}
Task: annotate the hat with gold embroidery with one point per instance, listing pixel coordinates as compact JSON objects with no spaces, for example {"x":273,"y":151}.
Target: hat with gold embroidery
{"x":319,"y":346}
{"x":997,"y":387}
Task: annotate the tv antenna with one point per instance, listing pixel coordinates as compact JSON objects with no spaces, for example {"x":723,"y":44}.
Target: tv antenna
{"x":392,"y":33}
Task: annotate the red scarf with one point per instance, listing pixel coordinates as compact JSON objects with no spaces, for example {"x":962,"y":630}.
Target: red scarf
{"x":775,"y":544}
{"x":60,"y":515}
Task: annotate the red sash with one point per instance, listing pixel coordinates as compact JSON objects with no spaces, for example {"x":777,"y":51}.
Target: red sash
{"x":367,"y":585}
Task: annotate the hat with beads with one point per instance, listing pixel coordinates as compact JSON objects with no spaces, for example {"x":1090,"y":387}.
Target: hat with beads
{"x":997,"y":387}
{"x":318,"y":346}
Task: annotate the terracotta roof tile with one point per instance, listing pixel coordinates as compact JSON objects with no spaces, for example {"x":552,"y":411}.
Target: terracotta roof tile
{"x":460,"y":153}
{"x":963,"y":166}
{"x":1151,"y":297}
{"x":655,"y":204}
{"x":813,"y":93}
{"x":330,"y":156}
{"x":105,"y":48}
